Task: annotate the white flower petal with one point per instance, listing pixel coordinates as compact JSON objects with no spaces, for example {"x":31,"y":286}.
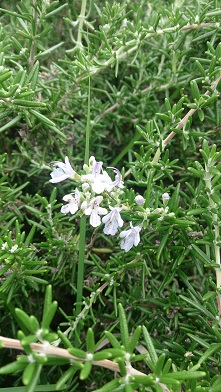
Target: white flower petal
{"x":98,"y":199}
{"x":68,"y":166}
{"x":130,"y":237}
{"x":136,"y":239}
{"x":84,"y":206}
{"x":112,"y":221}
{"x":111,"y":227}
{"x":98,"y":187}
{"x":65,"y":209}
{"x":68,"y":197}
{"x":101,"y":211}
{"x":88,"y":211}
{"x":127,"y":243}
{"x":63,"y":171}
{"x":73,"y":207}
{"x":73,"y":202}
{"x":106,"y":218}
{"x":123,"y":233}
{"x":95,"y":219}
{"x":58,"y":175}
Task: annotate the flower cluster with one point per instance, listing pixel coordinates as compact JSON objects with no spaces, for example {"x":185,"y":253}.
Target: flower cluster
{"x":94,"y":188}
{"x":99,"y":197}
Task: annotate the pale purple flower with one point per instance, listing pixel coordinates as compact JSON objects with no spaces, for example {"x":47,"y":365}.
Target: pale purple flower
{"x":63,"y":171}
{"x":118,"y":178}
{"x":99,"y":182}
{"x":97,"y":167}
{"x":99,"y":179}
{"x":72,"y":203}
{"x":112,"y":221}
{"x":94,"y":210}
{"x":130,"y":237}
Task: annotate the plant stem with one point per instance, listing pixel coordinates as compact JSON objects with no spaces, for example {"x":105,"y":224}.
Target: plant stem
{"x":81,"y":19}
{"x":33,"y":46}
{"x":213,"y":205}
{"x":87,"y":139}
{"x":123,"y":52}
{"x":48,"y":349}
{"x":215,"y":221}
{"x":81,"y":255}
{"x":181,"y":124}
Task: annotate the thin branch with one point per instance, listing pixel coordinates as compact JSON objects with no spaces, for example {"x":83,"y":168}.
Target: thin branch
{"x":33,"y":44}
{"x":182,"y":123}
{"x":123,"y":52}
{"x":93,"y":296}
{"x":48,"y":349}
{"x":148,"y":88}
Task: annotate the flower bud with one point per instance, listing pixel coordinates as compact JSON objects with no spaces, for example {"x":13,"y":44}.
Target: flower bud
{"x":85,"y":186}
{"x":139,"y":200}
{"x":165,"y":197}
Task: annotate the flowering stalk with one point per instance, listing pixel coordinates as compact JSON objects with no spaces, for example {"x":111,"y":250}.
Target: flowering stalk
{"x":81,"y":255}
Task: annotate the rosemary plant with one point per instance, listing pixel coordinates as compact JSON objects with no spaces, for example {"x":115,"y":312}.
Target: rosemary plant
{"x":110,"y":196}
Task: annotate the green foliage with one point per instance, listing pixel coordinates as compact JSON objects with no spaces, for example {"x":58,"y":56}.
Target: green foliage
{"x":137,"y":85}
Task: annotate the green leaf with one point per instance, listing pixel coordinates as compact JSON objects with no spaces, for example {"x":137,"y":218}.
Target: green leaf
{"x":123,"y":326}
{"x":5,"y":75}
{"x":46,"y":121}
{"x":90,"y":344}
{"x":159,"y":365}
{"x":128,"y":388}
{"x":168,"y":379}
{"x":150,"y":347}
{"x":208,"y":353}
{"x":86,"y":370}
{"x":48,"y":51}
{"x":66,"y":342}
{"x":25,"y":319}
{"x":199,"y":307}
{"x":195,"y":90}
{"x":12,"y":367}
{"x":38,"y":388}
{"x":186,"y":375}
{"x":109,"y":353}
{"x":112,"y":386}
{"x":28,"y":104}
{"x":77,"y":353}
{"x":113,"y":341}
{"x":11,"y":123}
{"x":65,"y":377}
{"x":49,"y":308}
{"x":200,"y":114}
{"x":145,"y":380}
{"x":16,"y":15}
{"x":200,"y":254}
{"x":31,"y":386}
{"x":34,"y":323}
{"x":33,"y":76}
{"x":134,"y":340}
{"x":28,"y":373}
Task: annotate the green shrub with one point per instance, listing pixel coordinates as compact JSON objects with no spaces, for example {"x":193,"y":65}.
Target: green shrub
{"x":110,"y":196}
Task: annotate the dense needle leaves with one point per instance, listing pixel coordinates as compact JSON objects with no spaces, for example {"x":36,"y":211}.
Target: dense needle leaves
{"x":110,"y":266}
